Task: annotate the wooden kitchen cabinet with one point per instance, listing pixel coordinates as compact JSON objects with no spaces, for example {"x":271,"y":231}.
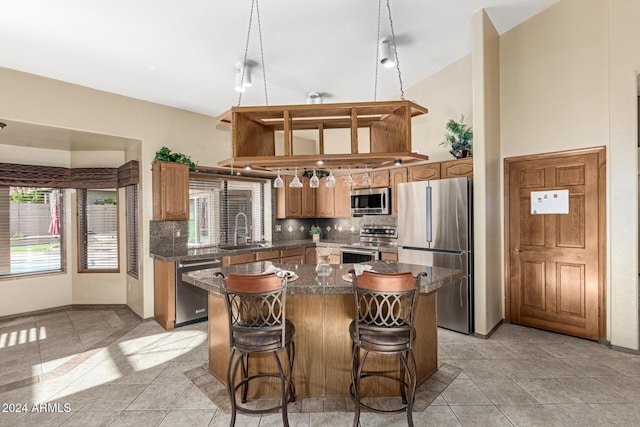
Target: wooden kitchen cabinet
{"x":293,"y":256}
{"x":379,"y":179}
{"x":423,"y":172}
{"x":228,"y":260}
{"x":389,"y":256}
{"x":170,"y":191}
{"x":325,"y":203}
{"x":342,"y":198}
{"x":164,"y":293}
{"x":396,"y":176}
{"x":268,"y":256}
{"x":457,"y":168}
{"x":295,"y":202}
{"x":310,"y":255}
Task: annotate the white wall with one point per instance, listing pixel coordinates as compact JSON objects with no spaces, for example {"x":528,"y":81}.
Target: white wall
{"x":488,"y":219}
{"x":38,"y":100}
{"x":568,"y":81}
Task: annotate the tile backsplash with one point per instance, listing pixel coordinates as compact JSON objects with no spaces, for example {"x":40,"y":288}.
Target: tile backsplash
{"x":338,"y":229}
{"x":168,"y":236}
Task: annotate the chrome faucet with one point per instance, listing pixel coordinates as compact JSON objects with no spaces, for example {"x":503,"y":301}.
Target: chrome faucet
{"x":236,"y":233}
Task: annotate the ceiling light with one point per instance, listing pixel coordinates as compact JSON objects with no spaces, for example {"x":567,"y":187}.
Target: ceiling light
{"x":247,"y":167}
{"x":2,"y":125}
{"x":385,"y":53}
{"x":320,"y":162}
{"x":243,"y":76}
{"x":397,"y":162}
{"x":314,"y":98}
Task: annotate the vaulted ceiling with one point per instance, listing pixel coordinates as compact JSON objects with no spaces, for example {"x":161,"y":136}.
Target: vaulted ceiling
{"x":183,"y":54}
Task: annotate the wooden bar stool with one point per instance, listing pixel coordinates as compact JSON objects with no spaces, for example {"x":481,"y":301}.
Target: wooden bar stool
{"x":257,"y":324}
{"x":383,"y":323}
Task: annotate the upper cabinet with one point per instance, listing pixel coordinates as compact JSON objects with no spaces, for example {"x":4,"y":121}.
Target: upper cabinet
{"x":378,"y":179}
{"x":424,"y":172}
{"x":333,"y":202}
{"x":295,"y":202}
{"x":397,"y":176}
{"x":170,"y":191}
{"x":457,"y":168}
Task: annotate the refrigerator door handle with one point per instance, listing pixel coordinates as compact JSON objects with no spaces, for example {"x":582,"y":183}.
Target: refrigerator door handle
{"x":429,"y":213}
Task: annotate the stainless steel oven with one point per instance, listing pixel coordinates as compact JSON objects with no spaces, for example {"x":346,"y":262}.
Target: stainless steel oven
{"x":356,"y":254}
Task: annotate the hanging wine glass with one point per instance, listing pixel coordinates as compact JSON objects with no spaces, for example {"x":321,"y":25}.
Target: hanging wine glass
{"x":331,"y":180}
{"x":278,"y":182}
{"x":349,"y":181}
{"x":366,"y":179}
{"x":314,"y":182}
{"x":295,"y":182}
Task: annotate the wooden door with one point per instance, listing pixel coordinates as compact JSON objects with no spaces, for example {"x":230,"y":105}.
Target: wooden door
{"x":555,"y":262}
{"x":170,"y":191}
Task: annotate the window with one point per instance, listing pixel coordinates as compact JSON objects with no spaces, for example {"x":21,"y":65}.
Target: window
{"x":31,"y":231}
{"x":98,"y":230}
{"x":132,"y":230}
{"x":226,"y":211}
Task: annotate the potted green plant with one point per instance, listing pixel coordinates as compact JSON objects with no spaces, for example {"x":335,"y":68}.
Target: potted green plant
{"x":165,"y":155}
{"x":458,"y":138}
{"x":315,"y":233}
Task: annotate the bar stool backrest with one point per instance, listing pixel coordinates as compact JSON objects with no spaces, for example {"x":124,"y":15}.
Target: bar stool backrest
{"x":255,"y":303}
{"x":385,"y":302}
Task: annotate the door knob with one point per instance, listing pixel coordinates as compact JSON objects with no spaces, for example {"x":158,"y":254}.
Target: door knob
{"x":516,"y":251}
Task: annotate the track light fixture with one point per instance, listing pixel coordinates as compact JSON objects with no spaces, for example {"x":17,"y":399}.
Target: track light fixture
{"x":314,"y":98}
{"x":243,"y":76}
{"x":386,"y":54}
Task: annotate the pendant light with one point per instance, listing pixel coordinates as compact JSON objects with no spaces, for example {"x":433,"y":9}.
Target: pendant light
{"x":295,"y":182}
{"x":278,"y":182}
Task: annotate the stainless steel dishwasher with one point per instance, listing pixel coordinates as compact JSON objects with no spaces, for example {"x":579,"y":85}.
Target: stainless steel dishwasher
{"x":192,"y":303}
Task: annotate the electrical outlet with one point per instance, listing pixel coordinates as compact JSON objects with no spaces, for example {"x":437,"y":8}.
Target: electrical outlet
{"x":178,"y":233}
{"x":278,"y":227}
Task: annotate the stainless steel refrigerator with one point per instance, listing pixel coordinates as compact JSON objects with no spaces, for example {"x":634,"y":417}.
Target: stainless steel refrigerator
{"x":435,"y":229}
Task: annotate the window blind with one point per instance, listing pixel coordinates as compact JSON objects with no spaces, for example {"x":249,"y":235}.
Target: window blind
{"x":225,"y":211}
{"x":31,"y":230}
{"x":98,"y":230}
{"x":131,"y":192}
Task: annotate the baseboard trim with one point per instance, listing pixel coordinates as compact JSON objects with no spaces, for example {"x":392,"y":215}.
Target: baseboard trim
{"x":62,"y":308}
{"x":487,"y":336}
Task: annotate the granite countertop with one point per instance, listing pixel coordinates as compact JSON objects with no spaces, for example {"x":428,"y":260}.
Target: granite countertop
{"x":206,"y":253}
{"x":308,"y":283}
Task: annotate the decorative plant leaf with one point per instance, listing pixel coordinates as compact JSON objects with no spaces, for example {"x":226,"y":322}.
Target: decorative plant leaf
{"x":459,"y":136}
{"x":165,"y":155}
{"x":320,"y":173}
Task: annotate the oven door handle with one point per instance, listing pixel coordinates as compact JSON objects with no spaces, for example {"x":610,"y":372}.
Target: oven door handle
{"x":359,"y":251}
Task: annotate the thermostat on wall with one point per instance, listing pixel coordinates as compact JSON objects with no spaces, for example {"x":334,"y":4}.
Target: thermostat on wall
{"x":550,"y":202}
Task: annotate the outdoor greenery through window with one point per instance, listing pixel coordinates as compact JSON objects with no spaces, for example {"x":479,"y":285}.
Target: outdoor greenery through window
{"x":31,"y":231}
{"x":225,"y":212}
{"x":98,"y":230}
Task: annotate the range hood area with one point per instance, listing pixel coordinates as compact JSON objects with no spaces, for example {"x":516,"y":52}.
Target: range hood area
{"x":389,"y":123}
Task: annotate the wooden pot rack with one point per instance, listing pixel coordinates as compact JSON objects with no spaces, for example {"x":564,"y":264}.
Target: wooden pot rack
{"x":389,"y":123}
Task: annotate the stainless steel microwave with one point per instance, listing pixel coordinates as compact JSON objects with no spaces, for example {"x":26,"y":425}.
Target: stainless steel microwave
{"x":372,"y":201}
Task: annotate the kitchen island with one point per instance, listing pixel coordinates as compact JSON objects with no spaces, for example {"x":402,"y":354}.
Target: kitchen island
{"x":321,"y":309}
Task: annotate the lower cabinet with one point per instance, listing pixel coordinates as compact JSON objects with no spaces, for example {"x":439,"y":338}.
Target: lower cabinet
{"x":293,"y":256}
{"x":164,"y":293}
{"x":388,"y":256}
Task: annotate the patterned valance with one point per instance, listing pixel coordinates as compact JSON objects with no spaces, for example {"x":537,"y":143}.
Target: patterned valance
{"x":18,"y":175}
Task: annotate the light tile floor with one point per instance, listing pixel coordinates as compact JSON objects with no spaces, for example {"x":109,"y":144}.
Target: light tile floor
{"x":103,"y":366}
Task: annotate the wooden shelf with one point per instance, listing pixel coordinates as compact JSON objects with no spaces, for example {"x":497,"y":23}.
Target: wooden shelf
{"x":389,"y":124}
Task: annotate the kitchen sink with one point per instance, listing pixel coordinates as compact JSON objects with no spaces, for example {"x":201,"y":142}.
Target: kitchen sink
{"x":231,"y":247}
